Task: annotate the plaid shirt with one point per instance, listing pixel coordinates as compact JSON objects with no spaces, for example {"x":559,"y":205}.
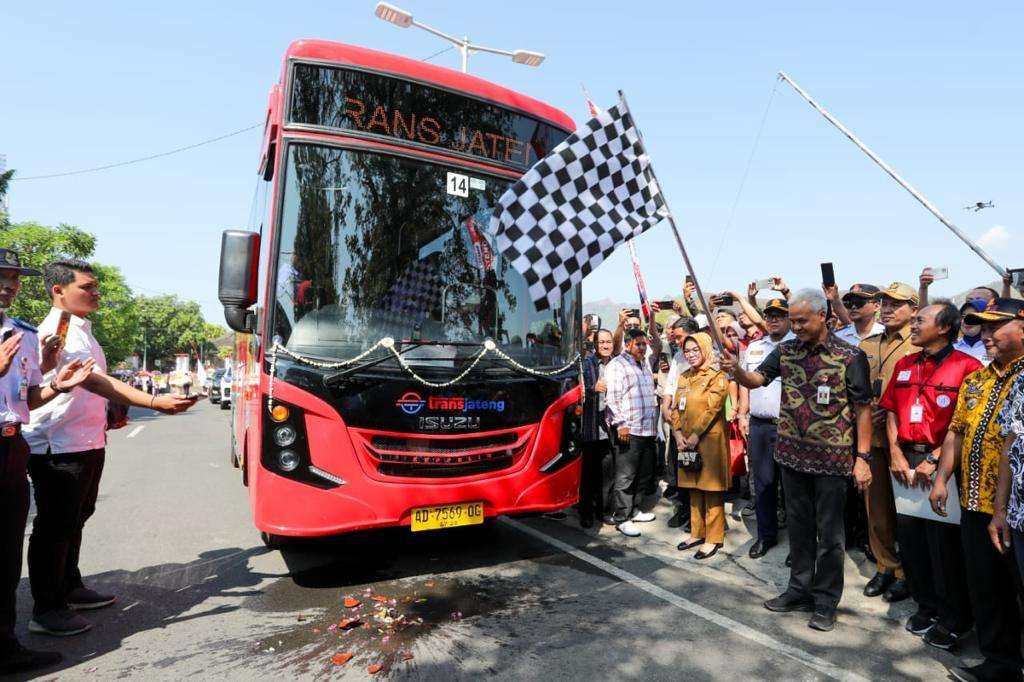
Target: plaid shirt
{"x":630,"y":397}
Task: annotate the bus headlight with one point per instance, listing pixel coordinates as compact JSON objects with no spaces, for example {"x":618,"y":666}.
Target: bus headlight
{"x":284,"y":436}
{"x":287,"y":460}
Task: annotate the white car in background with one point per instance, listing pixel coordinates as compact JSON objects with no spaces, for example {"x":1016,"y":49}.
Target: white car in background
{"x":225,"y":390}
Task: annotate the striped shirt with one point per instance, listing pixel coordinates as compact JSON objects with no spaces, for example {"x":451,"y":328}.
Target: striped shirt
{"x":630,"y":398}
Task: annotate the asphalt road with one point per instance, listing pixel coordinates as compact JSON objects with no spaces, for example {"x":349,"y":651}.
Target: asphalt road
{"x":199,"y":595}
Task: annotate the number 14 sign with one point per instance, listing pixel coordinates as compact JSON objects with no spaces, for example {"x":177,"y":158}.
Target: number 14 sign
{"x":458,"y":184}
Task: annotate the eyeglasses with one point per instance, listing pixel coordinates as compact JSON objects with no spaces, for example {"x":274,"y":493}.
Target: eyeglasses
{"x":691,"y":352}
{"x":631,"y":326}
{"x":858,"y":302}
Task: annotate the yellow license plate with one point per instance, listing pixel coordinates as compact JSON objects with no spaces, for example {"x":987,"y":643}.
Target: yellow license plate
{"x":447,"y":516}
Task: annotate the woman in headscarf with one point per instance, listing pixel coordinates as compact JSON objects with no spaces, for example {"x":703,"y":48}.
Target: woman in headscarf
{"x":699,"y":426}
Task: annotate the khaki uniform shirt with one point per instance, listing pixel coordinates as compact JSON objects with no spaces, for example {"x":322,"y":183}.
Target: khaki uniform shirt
{"x":884,"y":351}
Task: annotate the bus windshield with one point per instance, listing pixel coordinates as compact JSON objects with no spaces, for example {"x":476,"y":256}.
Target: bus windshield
{"x":373,"y":245}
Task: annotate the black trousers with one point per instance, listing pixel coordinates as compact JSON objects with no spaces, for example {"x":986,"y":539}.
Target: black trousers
{"x":815,"y":506}
{"x":65,"y":487}
{"x":13,"y":513}
{"x":990,"y":583}
{"x":933,"y":561}
{"x":634,"y":473}
{"x":765,"y":472}
{"x":596,"y":459}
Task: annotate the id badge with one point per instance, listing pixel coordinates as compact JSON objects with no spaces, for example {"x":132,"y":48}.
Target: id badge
{"x":916,"y":413}
{"x":682,"y":403}
{"x":23,"y":383}
{"x":824,"y":394}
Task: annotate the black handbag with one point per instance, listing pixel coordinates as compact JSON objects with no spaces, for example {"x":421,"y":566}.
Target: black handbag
{"x":690,"y":460}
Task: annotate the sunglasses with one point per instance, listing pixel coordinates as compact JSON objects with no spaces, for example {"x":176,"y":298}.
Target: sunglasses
{"x":858,"y":302}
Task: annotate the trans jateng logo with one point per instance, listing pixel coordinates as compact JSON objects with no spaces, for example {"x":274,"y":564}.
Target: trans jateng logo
{"x":458,"y":407}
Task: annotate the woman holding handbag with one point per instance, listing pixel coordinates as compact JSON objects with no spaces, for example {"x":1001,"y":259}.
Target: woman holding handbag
{"x":701,"y":432}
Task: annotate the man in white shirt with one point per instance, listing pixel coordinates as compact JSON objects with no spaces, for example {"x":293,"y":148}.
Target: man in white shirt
{"x":632,"y":414}
{"x":67,"y":439}
{"x":759,"y":418}
{"x":861,"y":303}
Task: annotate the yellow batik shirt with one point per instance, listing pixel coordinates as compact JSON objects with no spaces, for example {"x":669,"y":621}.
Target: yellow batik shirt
{"x":977,"y":408}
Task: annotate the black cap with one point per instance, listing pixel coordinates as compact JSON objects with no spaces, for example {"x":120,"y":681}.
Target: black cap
{"x":867,"y":291}
{"x":10,"y":260}
{"x":999,"y":310}
{"x":778,"y":305}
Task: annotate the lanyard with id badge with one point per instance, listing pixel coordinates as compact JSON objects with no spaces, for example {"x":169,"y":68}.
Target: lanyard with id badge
{"x":824,"y":394}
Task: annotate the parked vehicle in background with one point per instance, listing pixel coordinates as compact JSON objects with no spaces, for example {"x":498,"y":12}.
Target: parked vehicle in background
{"x":225,"y":390}
{"x":214,"y":389}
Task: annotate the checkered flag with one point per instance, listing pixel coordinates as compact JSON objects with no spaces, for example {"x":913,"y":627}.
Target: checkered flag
{"x":593,"y":192}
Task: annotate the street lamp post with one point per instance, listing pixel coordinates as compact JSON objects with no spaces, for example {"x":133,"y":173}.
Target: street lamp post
{"x":144,"y":329}
{"x":403,"y":19}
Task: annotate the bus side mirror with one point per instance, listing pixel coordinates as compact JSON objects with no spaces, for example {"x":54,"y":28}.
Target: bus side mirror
{"x":237,"y":289}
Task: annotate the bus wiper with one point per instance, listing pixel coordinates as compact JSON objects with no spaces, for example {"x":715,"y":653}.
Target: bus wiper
{"x":403,"y":346}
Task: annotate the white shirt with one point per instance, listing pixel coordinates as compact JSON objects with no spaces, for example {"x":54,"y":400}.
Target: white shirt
{"x":675,"y":368}
{"x":75,"y":421}
{"x":977,"y":350}
{"x":630,"y":399}
{"x":24,"y":367}
{"x":764,"y":401}
{"x":849,"y":333}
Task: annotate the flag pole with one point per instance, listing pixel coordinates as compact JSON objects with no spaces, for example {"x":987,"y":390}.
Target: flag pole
{"x":895,"y":176}
{"x":712,"y":324}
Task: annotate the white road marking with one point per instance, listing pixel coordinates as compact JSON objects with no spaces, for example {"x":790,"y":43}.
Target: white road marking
{"x":130,"y":606}
{"x":136,"y":430}
{"x":810,"y":660}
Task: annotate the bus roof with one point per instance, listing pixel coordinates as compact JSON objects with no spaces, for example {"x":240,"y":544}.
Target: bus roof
{"x":341,"y":53}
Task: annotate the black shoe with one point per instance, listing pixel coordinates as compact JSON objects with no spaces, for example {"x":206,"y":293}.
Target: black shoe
{"x":701,"y":554}
{"x":941,"y":638}
{"x":748,"y":511}
{"x":59,"y":623}
{"x":920,"y":623}
{"x":879,"y":584}
{"x":866,"y":549}
{"x":985,"y":672}
{"x":824,"y":619}
{"x":586,"y":522}
{"x":84,"y":599}
{"x":610,"y":521}
{"x":683,"y":546}
{"x":21,"y":660}
{"x":671,"y":492}
{"x":789,"y":561}
{"x":789,"y":601}
{"x":898,"y":591}
{"x":686,"y":526}
{"x":760,"y":548}
{"x":678,"y":519}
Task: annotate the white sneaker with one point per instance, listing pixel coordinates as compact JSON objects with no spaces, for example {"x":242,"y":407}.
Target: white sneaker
{"x":628,"y":529}
{"x":643,"y":517}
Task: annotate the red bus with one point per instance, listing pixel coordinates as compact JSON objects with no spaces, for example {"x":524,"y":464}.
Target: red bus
{"x":390,"y":368}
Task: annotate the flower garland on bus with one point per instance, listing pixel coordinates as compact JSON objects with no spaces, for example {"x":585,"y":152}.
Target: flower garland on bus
{"x":389,"y":343}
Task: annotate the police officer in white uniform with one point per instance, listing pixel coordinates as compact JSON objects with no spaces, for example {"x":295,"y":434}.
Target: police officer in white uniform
{"x":20,"y":391}
{"x":759,"y":416}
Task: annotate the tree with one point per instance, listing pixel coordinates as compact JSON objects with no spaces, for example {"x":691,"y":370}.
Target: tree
{"x":173,"y":326}
{"x":114,"y":324}
{"x":5,"y":183}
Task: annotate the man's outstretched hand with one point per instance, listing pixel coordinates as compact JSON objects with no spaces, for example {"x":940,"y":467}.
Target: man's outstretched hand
{"x":173,"y":404}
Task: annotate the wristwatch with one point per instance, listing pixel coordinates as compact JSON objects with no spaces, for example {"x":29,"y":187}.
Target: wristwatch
{"x":932,"y":459}
{"x":53,"y":387}
{"x":866,"y":456}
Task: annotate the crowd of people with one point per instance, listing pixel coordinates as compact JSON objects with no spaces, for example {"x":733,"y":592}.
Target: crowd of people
{"x":847,"y":417}
{"x":56,"y":402}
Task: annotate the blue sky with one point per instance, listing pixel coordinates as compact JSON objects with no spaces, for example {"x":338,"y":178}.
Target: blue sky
{"x":935,"y":88}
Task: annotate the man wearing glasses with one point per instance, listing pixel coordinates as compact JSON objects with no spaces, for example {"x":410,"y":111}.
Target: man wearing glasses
{"x":861,"y":303}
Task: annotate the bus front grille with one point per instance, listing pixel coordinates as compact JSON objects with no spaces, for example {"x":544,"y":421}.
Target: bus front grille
{"x":416,"y":456}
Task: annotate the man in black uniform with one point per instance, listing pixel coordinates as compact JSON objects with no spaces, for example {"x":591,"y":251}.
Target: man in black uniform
{"x":20,"y":377}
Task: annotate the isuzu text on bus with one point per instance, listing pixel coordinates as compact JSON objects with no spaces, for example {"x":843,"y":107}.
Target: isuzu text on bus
{"x":390,"y":368}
